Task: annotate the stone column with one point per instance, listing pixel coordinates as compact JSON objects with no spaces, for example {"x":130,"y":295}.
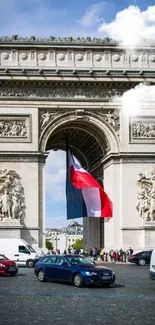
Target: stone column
{"x":91,"y":233}
{"x":41,"y":203}
{"x":112,"y":186}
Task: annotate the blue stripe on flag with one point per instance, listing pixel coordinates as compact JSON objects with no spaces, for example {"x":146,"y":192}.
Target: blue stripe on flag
{"x":75,"y":204}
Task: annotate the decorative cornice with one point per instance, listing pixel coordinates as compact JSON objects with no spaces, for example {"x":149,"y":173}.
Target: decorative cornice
{"x":140,"y":75}
{"x":22,"y":156}
{"x":128,"y":158}
{"x":74,"y":91}
{"x":15,"y":39}
{"x":69,"y":40}
{"x":75,"y":59}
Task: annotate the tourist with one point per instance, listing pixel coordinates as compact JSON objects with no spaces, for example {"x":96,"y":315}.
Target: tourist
{"x":102,"y":253}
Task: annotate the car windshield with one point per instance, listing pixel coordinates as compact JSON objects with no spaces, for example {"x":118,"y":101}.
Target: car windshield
{"x":75,"y":260}
{"x":2,"y":257}
{"x":31,"y":249}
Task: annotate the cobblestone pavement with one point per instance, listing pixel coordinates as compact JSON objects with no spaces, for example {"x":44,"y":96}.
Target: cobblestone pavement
{"x":24,"y":300}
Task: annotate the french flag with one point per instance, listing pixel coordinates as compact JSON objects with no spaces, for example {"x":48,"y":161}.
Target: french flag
{"x":85,"y":196}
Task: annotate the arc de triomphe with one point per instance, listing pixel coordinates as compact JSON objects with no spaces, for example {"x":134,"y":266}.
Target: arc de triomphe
{"x":51,"y":88}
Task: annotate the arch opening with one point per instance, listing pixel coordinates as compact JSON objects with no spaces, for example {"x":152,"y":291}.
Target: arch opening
{"x":90,"y":141}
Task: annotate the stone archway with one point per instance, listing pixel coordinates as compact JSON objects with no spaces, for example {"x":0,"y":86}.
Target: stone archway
{"x":48,"y":84}
{"x":91,"y":140}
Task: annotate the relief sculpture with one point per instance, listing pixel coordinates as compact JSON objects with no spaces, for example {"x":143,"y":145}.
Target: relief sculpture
{"x":46,"y":117}
{"x":146,"y":196}
{"x":143,"y":130}
{"x":11,"y":196}
{"x":12,"y":128}
{"x":112,"y":119}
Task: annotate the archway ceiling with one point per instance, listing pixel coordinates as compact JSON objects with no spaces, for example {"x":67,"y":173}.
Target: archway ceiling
{"x":88,"y":144}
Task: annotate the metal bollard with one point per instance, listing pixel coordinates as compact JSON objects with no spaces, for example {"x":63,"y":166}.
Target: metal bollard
{"x":106,"y":257}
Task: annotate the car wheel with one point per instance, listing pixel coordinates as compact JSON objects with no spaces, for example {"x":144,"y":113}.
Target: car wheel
{"x":13,"y":274}
{"x":41,"y":276}
{"x":78,"y":280}
{"x":30,"y":263}
{"x":141,"y":262}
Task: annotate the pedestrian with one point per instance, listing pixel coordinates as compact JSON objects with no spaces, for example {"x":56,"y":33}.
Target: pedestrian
{"x":95,"y":253}
{"x":130,"y":251}
{"x":121,"y":253}
{"x":102,"y":252}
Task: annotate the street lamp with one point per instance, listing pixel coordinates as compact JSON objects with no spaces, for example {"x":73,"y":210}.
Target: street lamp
{"x":56,"y":239}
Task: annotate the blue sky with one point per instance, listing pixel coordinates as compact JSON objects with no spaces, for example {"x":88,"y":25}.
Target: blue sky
{"x":75,"y":18}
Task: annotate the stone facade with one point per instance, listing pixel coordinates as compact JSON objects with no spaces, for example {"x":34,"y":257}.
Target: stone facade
{"x":55,"y":88}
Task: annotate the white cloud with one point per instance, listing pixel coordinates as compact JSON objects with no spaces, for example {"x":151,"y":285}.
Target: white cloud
{"x":133,"y":99}
{"x":92,"y":15}
{"x":132,"y":26}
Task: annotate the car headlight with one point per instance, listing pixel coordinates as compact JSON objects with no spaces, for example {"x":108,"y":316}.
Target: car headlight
{"x":91,"y":273}
{"x":113,"y":273}
{"x":2,"y":265}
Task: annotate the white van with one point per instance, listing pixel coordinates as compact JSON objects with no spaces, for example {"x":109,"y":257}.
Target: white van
{"x":18,"y":250}
{"x":152,"y":265}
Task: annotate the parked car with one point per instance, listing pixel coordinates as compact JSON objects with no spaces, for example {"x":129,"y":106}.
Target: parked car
{"x":152,"y":266}
{"x":141,"y":258}
{"x":75,"y":269}
{"x":7,"y":267}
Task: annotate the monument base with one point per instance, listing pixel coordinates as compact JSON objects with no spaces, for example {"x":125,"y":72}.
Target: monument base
{"x":10,"y":229}
{"x":139,"y":238}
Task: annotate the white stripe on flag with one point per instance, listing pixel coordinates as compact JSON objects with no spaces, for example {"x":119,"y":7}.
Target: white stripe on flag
{"x":92,"y":200}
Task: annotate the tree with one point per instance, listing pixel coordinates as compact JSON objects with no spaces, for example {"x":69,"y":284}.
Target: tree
{"x":78,"y":244}
{"x":49,"y":245}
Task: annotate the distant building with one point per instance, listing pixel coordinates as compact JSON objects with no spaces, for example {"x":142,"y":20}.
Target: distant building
{"x":63,"y":238}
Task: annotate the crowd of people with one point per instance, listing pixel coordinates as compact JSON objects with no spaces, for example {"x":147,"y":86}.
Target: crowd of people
{"x":111,"y":256}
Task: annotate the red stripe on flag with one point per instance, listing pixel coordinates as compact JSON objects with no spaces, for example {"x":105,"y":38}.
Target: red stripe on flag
{"x":86,"y":180}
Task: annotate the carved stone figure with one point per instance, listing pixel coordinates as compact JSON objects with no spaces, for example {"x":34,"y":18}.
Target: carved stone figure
{"x":112,"y":118}
{"x":6,"y":204}
{"x":146,"y":196}
{"x":12,"y":128}
{"x":46,"y":117}
{"x":143,"y":130}
{"x":11,"y":196}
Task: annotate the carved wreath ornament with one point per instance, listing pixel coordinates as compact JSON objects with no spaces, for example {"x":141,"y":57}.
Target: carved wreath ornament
{"x":146,"y":196}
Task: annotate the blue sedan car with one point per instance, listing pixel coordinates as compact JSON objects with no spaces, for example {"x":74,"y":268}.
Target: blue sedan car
{"x":75,"y":269}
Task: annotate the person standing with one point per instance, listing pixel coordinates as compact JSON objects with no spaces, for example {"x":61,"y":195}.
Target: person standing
{"x":102,"y":252}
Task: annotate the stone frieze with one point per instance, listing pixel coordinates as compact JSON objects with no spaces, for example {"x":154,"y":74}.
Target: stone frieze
{"x":73,"y":92}
{"x":15,"y":128}
{"x":142,"y":129}
{"x":72,"y":58}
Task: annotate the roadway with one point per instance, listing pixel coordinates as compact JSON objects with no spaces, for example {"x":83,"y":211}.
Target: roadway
{"x":24,"y":300}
